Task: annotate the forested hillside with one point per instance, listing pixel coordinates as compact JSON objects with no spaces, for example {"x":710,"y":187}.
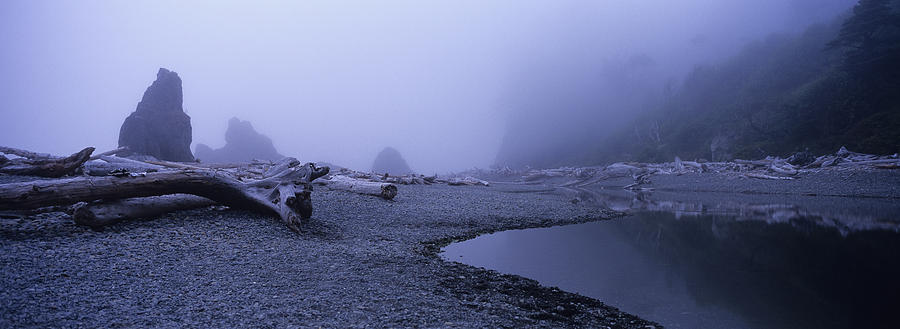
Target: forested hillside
{"x":833,"y":85}
{"x":836,"y":84}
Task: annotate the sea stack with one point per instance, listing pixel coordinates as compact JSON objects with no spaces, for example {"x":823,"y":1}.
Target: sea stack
{"x":389,"y":161}
{"x":242,"y":143}
{"x":159,"y":127}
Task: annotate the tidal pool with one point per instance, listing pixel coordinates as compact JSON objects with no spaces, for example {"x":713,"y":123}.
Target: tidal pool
{"x":788,"y":264}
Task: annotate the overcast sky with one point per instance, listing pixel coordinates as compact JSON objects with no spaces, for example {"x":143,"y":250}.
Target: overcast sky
{"x":338,"y":81}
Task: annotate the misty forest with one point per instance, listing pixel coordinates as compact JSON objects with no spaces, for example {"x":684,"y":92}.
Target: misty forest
{"x":451,"y":164}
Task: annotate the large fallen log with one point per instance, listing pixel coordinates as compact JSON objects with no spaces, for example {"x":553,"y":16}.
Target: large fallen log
{"x":98,"y":214}
{"x":343,"y":183}
{"x":44,"y":165}
{"x":285,"y":194}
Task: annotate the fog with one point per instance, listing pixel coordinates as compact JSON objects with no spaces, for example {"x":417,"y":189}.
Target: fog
{"x":337,"y":81}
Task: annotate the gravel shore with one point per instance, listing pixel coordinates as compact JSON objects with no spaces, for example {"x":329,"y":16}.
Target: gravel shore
{"x":363,"y":262}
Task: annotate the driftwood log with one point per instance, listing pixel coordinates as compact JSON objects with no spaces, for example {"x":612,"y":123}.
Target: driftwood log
{"x":44,"y":165}
{"x":764,"y":176}
{"x":784,"y":169}
{"x":281,"y":165}
{"x":285,"y":194}
{"x":111,"y":152}
{"x":468,"y":180}
{"x":343,"y":183}
{"x":109,"y":165}
{"x":25,"y":153}
{"x":98,"y":214}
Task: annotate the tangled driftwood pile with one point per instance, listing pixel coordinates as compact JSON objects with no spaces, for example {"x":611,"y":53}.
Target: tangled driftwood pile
{"x":109,"y":189}
{"x":408,"y":179}
{"x":104,"y":189}
{"x":774,"y":168}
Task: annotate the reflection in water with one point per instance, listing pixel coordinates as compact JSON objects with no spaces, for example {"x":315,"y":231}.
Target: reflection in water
{"x":845,"y":214}
{"x":713,"y":271}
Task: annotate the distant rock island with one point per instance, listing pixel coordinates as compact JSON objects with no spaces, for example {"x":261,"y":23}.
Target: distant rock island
{"x":389,"y":161}
{"x":159,"y":127}
{"x":242,"y":143}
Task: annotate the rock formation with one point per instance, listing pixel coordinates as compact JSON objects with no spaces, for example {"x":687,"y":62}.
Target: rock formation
{"x":242,"y":143}
{"x":159,"y":127}
{"x":389,"y":161}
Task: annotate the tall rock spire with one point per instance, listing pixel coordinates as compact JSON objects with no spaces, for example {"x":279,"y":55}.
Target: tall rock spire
{"x":159,"y":126}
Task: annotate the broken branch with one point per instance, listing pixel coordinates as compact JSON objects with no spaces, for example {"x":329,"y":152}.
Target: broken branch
{"x":43,"y":165}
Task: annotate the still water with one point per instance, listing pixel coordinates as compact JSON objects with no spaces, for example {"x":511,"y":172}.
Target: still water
{"x":721,"y":263}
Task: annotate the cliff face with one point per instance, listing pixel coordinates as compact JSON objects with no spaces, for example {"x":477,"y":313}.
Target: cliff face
{"x":242,"y":143}
{"x":389,"y":161}
{"x":159,"y":127}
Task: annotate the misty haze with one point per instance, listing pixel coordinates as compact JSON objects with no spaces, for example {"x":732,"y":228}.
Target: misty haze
{"x":625,"y":164}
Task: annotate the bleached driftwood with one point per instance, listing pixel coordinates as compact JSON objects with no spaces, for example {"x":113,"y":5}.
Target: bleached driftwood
{"x":895,"y":165}
{"x":116,"y":159}
{"x":98,"y":214}
{"x":783,"y":168}
{"x":639,"y":179}
{"x":44,"y":165}
{"x":404,"y":180}
{"x":468,"y":180}
{"x":25,"y":153}
{"x":413,"y":180}
{"x":281,"y":165}
{"x":343,"y":183}
{"x":870,"y":162}
{"x":285,"y":194}
{"x":764,"y":176}
{"x":769,"y":168}
{"x":679,"y":166}
{"x":105,"y":168}
{"x":151,"y":162}
{"x":621,"y":169}
{"x":175,"y":165}
{"x":97,"y":156}
{"x":694,"y":164}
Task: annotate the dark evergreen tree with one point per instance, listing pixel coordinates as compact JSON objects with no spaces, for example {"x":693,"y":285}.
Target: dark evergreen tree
{"x":870,"y":39}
